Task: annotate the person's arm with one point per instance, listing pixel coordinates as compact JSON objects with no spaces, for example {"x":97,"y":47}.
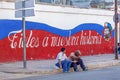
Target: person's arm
{"x":72,"y":57}
{"x":65,"y":56}
{"x":59,"y":61}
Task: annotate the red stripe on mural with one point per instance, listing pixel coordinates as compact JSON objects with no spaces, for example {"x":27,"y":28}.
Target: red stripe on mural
{"x":44,"y":45}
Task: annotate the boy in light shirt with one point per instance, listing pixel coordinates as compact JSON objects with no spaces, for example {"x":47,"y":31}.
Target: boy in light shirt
{"x":62,"y":62}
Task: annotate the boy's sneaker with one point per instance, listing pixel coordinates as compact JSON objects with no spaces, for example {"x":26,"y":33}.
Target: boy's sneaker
{"x":85,"y":69}
{"x":64,"y":71}
{"x":68,"y":71}
{"x":76,"y":70}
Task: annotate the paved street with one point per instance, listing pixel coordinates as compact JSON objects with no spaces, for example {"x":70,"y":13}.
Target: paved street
{"x":7,"y":76}
{"x":109,"y":73}
{"x":40,"y":68}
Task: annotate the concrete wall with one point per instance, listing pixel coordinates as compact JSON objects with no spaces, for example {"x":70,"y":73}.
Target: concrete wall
{"x":54,"y":27}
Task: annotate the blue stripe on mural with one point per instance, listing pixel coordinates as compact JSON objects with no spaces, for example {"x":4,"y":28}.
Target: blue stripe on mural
{"x":7,"y":26}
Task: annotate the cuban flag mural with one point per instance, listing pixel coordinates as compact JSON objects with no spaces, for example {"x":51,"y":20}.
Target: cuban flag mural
{"x":44,"y":41}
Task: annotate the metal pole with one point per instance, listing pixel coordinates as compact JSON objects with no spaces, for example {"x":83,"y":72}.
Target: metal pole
{"x":116,"y":29}
{"x":119,"y":32}
{"x":24,"y":35}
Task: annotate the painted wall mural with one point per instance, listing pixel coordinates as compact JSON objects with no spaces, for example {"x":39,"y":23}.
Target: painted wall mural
{"x":44,"y":41}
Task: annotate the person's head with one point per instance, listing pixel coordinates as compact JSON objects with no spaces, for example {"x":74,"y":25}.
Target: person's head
{"x":63,"y":49}
{"x":77,"y":53}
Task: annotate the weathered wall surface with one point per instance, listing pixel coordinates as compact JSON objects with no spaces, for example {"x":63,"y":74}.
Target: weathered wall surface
{"x":52,"y":28}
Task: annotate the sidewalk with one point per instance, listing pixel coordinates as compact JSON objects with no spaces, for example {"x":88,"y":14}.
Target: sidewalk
{"x":47,"y":66}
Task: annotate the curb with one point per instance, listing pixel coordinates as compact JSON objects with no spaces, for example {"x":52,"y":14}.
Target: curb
{"x":90,"y":66}
{"x":103,"y":64}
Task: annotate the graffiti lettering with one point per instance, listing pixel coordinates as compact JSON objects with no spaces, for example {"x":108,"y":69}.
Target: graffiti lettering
{"x":16,"y":41}
{"x":89,"y":39}
{"x":64,"y":41}
{"x":12,"y":39}
{"x":45,"y":42}
{"x":57,"y":41}
{"x":53,"y":41}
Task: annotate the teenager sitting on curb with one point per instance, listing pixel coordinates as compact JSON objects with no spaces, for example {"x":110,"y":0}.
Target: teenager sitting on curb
{"x":62,"y":62}
{"x":76,"y":60}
